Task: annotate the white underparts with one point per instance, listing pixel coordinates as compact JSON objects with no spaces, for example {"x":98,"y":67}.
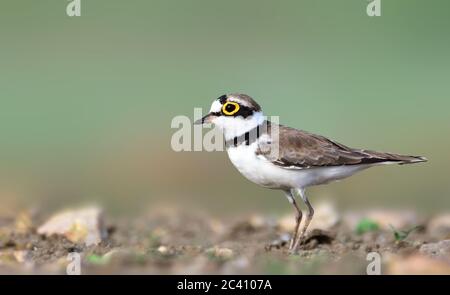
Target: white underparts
{"x":259,"y":170}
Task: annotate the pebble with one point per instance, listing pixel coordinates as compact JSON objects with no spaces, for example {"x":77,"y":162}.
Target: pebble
{"x":163,"y":249}
{"x":223,"y":253}
{"x":83,"y":225}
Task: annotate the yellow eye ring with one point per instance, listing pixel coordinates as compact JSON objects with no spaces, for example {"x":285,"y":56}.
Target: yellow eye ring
{"x":233,"y":110}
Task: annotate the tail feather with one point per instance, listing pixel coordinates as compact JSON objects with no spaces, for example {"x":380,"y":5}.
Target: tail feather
{"x":413,"y":159}
{"x":379,"y":157}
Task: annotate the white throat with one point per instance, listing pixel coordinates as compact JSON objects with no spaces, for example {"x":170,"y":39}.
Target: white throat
{"x":237,"y":126}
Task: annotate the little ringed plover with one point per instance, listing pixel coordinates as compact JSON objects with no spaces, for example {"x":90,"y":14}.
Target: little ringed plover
{"x":287,"y":159}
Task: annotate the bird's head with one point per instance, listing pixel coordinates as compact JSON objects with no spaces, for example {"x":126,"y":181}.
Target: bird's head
{"x":234,"y":114}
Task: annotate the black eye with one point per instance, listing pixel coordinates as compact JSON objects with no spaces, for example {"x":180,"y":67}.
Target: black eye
{"x":230,"y":107}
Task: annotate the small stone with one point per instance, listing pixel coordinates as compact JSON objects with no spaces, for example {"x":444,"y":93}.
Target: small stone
{"x":222,"y":253}
{"x":163,"y":249}
{"x":83,"y":225}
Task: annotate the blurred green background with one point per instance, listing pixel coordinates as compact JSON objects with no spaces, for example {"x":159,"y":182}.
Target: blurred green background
{"x":87,"y":102}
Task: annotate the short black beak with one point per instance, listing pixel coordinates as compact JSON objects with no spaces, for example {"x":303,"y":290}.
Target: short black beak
{"x":205,"y":119}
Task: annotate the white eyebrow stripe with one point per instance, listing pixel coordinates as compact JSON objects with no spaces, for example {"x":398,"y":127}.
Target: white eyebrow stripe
{"x":239,"y":101}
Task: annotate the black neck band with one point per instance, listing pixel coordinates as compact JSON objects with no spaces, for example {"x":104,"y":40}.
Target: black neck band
{"x":248,"y":137}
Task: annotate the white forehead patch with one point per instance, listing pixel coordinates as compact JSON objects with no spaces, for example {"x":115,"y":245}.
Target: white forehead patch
{"x":215,"y":107}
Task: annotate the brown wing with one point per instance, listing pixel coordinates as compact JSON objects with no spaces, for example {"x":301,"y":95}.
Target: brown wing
{"x":300,"y":149}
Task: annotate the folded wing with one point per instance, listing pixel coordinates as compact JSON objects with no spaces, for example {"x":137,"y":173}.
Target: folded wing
{"x":300,"y":149}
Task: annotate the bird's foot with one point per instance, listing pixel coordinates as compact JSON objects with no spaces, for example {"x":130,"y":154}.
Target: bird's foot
{"x":295,"y":246}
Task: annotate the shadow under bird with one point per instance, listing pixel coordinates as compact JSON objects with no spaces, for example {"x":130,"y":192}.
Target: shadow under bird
{"x":279,"y":157}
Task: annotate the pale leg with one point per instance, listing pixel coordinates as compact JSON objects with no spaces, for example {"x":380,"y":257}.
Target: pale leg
{"x":309,"y":216}
{"x":298,"y":217}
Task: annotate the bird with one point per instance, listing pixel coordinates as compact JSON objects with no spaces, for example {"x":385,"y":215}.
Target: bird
{"x":278,"y":157}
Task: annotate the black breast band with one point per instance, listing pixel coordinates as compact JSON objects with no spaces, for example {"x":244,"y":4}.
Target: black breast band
{"x":248,"y":137}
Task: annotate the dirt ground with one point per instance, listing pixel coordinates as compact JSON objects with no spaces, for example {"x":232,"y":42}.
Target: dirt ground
{"x":169,"y":241}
